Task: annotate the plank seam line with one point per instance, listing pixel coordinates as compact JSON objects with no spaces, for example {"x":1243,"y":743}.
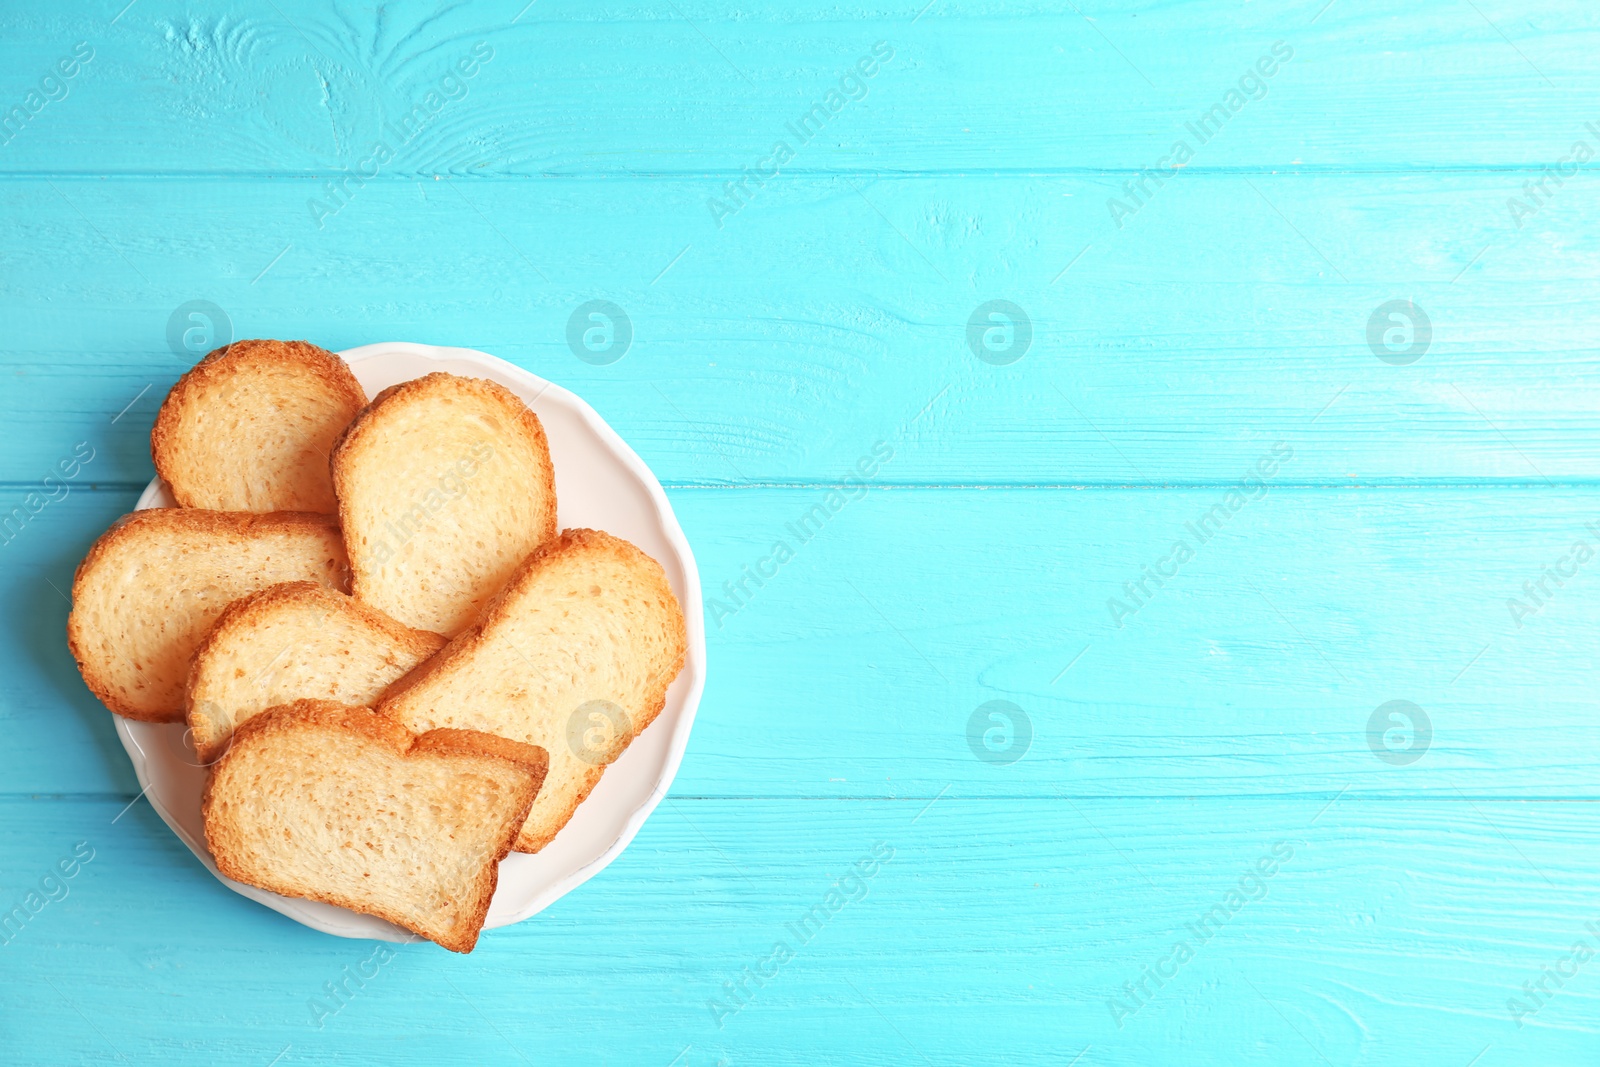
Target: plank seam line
{"x":398,"y":178}
{"x":1383,"y":484}
{"x":1443,"y":795}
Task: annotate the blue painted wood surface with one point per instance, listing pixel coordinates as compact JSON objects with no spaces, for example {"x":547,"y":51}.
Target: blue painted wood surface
{"x":1210,"y":758}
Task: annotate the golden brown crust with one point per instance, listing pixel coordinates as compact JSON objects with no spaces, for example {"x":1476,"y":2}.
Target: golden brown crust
{"x":345,"y":446}
{"x":400,"y":741}
{"x":658,"y":698}
{"x":450,"y":742}
{"x":527,"y":842}
{"x":530,"y":843}
{"x":193,"y":520}
{"x":420,"y":389}
{"x":248,"y":611}
{"x":363,"y":721}
{"x":466,"y":643}
{"x":331,"y":371}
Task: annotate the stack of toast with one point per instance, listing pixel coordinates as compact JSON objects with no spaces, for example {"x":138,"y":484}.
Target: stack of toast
{"x":394,"y":665}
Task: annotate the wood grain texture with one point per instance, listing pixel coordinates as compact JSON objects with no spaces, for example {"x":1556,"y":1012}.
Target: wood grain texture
{"x":996,"y":932}
{"x":854,"y":671}
{"x":1173,"y":352}
{"x":627,"y":87}
{"x":1238,"y":705}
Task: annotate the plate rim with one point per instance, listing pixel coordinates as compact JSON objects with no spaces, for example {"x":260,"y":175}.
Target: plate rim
{"x":694,"y":666}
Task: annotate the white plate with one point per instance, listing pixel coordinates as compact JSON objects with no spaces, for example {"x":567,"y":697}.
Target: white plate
{"x":600,"y":483}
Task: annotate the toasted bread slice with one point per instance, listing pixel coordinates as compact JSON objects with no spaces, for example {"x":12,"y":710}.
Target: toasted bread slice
{"x":444,"y":486}
{"x":333,"y":803}
{"x":290,"y":641}
{"x":153,"y":584}
{"x":251,"y":426}
{"x":575,"y":655}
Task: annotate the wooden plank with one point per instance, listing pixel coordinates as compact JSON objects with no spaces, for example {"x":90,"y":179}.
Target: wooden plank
{"x":995,"y":931}
{"x":1260,"y":707}
{"x":1173,"y":352}
{"x":858,"y":669}
{"x":624,"y":87}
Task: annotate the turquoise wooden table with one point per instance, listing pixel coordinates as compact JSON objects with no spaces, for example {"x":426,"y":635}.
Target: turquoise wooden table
{"x":1177,"y":420}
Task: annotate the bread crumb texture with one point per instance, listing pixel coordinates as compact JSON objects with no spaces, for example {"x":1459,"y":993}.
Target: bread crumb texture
{"x":251,"y":428}
{"x":338,"y":804}
{"x":152,"y":586}
{"x":444,"y":486}
{"x":289,"y":641}
{"x":575,"y":656}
